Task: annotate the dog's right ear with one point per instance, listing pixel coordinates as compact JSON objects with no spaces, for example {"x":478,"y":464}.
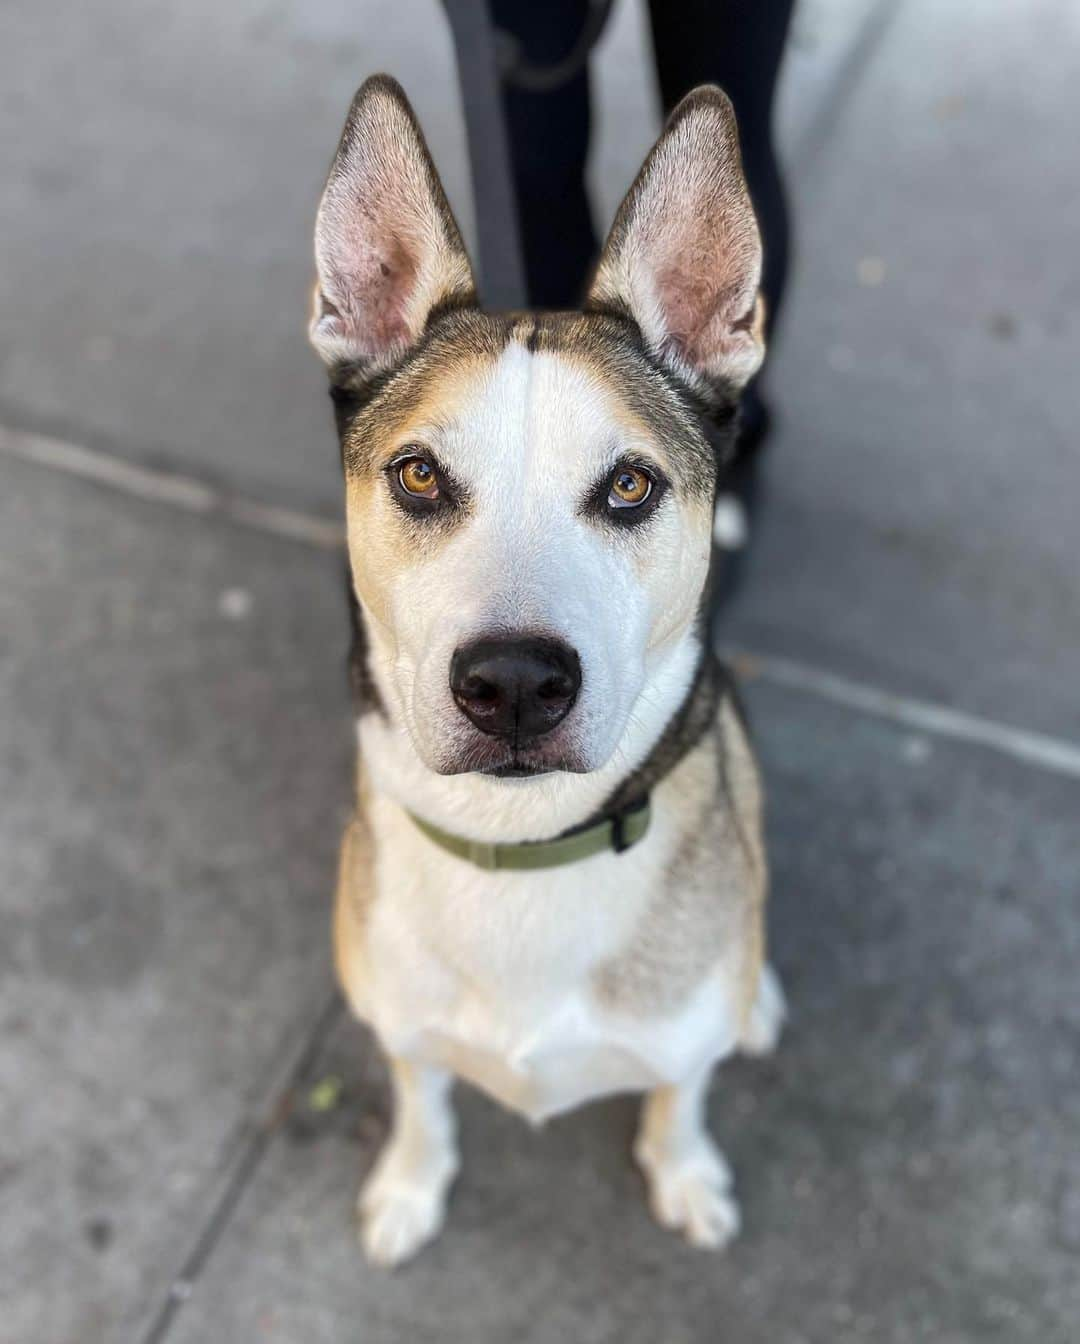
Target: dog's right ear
{"x":387,"y":248}
{"x":683,"y":258}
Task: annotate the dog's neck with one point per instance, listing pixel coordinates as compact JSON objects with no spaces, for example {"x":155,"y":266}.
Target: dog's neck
{"x":510,"y":810}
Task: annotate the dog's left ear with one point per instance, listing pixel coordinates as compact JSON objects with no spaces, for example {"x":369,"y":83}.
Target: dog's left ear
{"x":387,"y":248}
{"x":683,"y":258}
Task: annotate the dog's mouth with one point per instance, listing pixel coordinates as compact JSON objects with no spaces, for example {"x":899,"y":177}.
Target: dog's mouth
{"x":518,"y":770}
{"x":503,"y":761}
{"x":528,"y":765}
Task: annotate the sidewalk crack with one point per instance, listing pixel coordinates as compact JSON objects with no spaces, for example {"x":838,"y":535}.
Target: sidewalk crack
{"x":250,"y":1148}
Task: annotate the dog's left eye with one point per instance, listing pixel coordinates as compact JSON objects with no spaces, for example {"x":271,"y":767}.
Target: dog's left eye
{"x":630,"y":487}
{"x":419,"y":478}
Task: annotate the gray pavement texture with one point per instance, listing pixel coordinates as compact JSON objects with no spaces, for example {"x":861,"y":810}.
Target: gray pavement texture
{"x":174,"y":741}
{"x":922,"y":524}
{"x":173,"y":777}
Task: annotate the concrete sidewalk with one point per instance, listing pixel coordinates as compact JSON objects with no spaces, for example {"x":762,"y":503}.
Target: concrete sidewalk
{"x":175,"y":747}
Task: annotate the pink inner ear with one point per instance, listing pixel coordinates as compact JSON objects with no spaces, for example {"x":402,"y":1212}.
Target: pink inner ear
{"x":366,"y":293}
{"x":703,"y":318}
{"x":387,"y":249}
{"x":684,"y":255}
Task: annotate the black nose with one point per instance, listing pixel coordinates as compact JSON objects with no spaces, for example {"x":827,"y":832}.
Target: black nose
{"x":517,"y":689}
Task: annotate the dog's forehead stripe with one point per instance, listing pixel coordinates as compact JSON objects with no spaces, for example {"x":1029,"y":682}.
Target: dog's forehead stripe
{"x":444,"y":370}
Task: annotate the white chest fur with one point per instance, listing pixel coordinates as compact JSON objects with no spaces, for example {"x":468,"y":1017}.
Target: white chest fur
{"x":493,"y":975}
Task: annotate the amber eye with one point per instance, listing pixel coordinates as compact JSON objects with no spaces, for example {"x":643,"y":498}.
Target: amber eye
{"x":630,"y":486}
{"x":418,"y":477}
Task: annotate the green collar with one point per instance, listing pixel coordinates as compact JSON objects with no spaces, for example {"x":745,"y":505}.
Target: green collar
{"x":616,"y":833}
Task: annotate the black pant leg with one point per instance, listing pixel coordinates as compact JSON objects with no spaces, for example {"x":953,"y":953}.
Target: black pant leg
{"x":549,"y":144}
{"x":737,"y":44}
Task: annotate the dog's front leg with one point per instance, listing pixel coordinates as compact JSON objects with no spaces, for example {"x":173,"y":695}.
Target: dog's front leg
{"x":403,"y":1202}
{"x":688,"y":1179}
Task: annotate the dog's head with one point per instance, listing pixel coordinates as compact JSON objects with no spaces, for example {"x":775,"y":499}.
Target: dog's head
{"x":529,"y":497}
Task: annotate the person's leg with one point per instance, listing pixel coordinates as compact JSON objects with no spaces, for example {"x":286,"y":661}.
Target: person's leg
{"x":737,"y":44}
{"x":549,"y":143}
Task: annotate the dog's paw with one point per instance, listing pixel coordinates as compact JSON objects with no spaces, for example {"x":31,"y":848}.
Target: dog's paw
{"x":400,"y":1214}
{"x":691,"y":1194}
{"x":767,"y":1017}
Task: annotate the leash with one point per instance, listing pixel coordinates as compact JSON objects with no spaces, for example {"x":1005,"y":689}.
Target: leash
{"x":530,"y":78}
{"x":502,"y":266}
{"x":489,"y":60}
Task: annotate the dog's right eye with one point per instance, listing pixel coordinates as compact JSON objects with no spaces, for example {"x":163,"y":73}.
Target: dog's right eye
{"x":419,"y":478}
{"x":630,"y":486}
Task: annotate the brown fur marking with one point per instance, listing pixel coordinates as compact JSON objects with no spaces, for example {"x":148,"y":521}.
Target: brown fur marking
{"x":711,"y":908}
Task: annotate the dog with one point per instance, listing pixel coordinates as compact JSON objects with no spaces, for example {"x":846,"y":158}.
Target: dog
{"x":553,"y":883}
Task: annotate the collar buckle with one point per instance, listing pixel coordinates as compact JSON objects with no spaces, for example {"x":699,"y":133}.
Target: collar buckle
{"x":621,"y":839}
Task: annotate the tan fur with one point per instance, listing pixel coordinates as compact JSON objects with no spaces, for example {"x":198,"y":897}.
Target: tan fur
{"x":712,"y":906}
{"x":433,"y":385}
{"x":352,"y":901}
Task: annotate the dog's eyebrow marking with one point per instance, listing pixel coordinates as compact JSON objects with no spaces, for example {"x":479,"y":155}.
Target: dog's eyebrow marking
{"x":424,"y":393}
{"x":464,"y":344}
{"x":424,"y":435}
